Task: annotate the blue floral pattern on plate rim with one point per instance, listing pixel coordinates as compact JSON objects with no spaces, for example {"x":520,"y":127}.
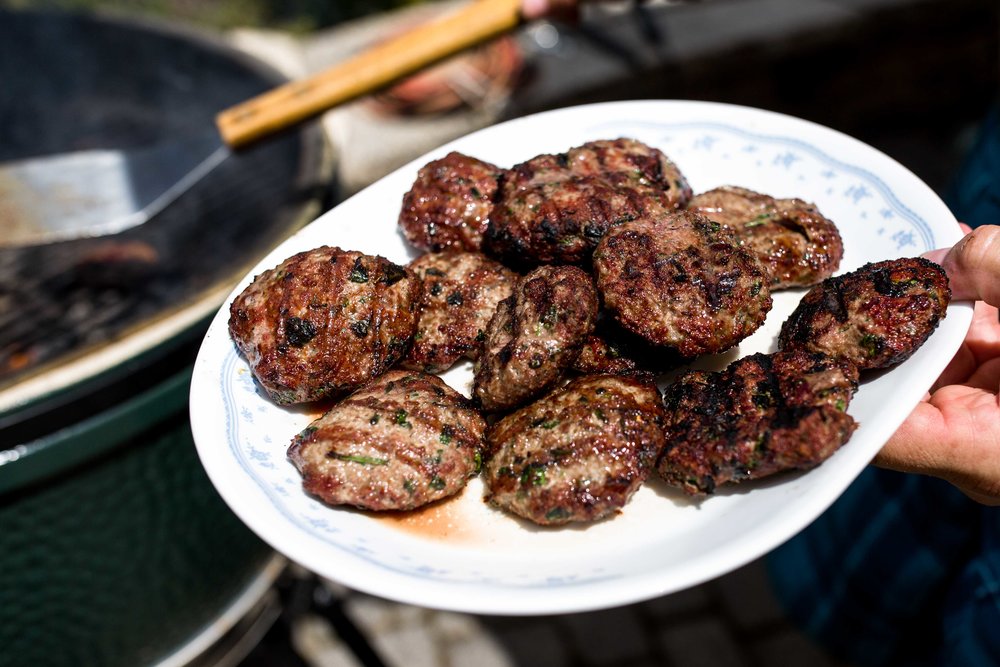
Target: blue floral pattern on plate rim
{"x":849,"y":187}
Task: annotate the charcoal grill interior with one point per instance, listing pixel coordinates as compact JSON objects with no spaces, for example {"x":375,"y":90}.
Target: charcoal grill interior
{"x":74,"y":82}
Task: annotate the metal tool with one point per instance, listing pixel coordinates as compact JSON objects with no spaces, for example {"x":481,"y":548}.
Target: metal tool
{"x":98,"y":192}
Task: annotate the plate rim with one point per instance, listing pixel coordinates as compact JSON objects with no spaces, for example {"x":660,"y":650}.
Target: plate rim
{"x":469,"y":597}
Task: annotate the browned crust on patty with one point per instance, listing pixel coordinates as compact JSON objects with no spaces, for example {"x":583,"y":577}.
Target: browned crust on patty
{"x":448,"y":206}
{"x":874,"y":317}
{"x":554,"y":209}
{"x":578,"y":454}
{"x":324,"y":322}
{"x":461,"y":292}
{"x":681,"y":281}
{"x":398,"y":443}
{"x":797,"y":245}
{"x":763,"y":414}
{"x":534,"y":336}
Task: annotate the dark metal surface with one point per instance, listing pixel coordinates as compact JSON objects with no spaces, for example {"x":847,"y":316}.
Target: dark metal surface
{"x":74,"y":82}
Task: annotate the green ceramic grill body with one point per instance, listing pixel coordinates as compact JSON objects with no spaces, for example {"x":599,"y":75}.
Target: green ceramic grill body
{"x":115,"y":549}
{"x":121,"y":558}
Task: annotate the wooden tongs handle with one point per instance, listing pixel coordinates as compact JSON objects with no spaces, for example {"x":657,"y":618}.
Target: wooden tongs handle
{"x":368,"y":71}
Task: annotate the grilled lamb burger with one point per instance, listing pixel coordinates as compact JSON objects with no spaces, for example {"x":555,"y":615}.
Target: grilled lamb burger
{"x":611,"y":350}
{"x":578,"y":454}
{"x":794,"y":242}
{"x":763,"y":414}
{"x":449,"y":204}
{"x":461,"y":292}
{"x":553,"y":209}
{"x":874,"y":317}
{"x":399,"y":442}
{"x":534,"y":336}
{"x":682,"y":281}
{"x":324,"y":322}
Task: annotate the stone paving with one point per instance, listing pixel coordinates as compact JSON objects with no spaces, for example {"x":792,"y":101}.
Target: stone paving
{"x":733,"y":621}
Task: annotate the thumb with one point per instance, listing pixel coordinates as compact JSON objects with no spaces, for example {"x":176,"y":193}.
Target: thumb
{"x":973,"y":265}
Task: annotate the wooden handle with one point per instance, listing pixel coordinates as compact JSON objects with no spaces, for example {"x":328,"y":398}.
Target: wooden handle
{"x":369,"y":71}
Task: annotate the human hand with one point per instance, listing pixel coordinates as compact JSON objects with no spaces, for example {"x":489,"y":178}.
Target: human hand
{"x":954,"y":433}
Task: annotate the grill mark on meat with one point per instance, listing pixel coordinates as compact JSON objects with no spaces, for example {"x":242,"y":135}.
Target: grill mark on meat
{"x":400,"y":442}
{"x":717,"y":290}
{"x":450,"y":203}
{"x":762,"y":415}
{"x":796,"y":244}
{"x":578,"y":454}
{"x":298,"y":323}
{"x":534,"y":336}
{"x":555,"y":208}
{"x":874,"y":317}
{"x":681,"y":281}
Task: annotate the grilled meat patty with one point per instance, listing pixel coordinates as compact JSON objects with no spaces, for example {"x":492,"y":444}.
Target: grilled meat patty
{"x":682,"y":281}
{"x":577,"y":454}
{"x":553,"y":209}
{"x":399,"y":442}
{"x":763,"y":414}
{"x":611,"y":350}
{"x":324,"y":322}
{"x":534,"y":335}
{"x":794,"y":242}
{"x":449,"y":204}
{"x":599,"y":356}
{"x":874,"y":317}
{"x":461,"y":292}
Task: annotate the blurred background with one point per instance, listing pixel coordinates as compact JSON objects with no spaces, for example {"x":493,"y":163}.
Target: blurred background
{"x":298,"y":16}
{"x":114,"y":547}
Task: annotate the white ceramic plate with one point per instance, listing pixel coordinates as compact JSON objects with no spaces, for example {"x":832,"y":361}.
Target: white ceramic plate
{"x":463,"y":555}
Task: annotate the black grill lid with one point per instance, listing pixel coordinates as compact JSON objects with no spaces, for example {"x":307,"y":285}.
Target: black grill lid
{"x":73,"y":310}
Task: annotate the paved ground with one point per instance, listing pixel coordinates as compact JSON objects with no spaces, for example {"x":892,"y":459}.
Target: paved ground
{"x":733,"y":621}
